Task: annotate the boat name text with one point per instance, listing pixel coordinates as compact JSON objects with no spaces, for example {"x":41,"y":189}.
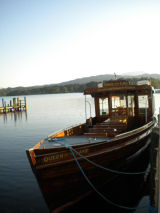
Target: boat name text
{"x":61,"y":156}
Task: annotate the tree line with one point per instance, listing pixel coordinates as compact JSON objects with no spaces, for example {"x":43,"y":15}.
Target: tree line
{"x":48,"y":89}
{"x":70,"y":88}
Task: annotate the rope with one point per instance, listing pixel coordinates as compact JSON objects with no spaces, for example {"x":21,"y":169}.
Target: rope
{"x":152,"y":209}
{"x":91,"y":184}
{"x":107,"y":169}
{"x":99,"y":193}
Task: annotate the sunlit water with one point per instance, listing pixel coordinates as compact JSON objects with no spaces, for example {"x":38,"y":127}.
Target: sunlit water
{"x":19,"y":191}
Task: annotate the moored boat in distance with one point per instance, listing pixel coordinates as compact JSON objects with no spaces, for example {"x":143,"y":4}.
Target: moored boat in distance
{"x":117,"y":135}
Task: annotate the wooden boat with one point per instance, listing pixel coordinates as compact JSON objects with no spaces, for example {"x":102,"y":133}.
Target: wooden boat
{"x":114,"y":137}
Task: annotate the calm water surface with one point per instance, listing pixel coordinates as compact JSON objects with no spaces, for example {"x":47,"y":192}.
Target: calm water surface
{"x":19,"y":191}
{"x":45,"y":114}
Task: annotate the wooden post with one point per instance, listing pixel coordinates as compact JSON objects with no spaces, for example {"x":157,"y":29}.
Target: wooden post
{"x":136,"y":106}
{"x":150,"y":105}
{"x":159,"y":164}
{"x":14,"y":104}
{"x":96,"y":100}
{"x":5,"y":109}
{"x":20,"y":109}
{"x":146,"y":113}
{"x":110,"y":105}
{"x":18,"y":101}
{"x":2,"y":102}
{"x":127,"y":109}
{"x":155,"y":170}
{"x":25,"y":102}
{"x":10,"y":106}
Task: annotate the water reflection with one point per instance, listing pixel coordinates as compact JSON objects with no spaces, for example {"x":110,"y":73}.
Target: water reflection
{"x":20,"y":115}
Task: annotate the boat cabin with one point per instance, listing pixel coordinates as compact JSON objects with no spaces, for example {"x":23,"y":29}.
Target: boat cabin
{"x":120,"y":101}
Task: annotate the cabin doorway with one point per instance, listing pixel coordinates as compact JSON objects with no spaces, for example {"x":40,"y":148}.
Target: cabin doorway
{"x":131,"y":105}
{"x":123,"y":105}
{"x":119,"y":106}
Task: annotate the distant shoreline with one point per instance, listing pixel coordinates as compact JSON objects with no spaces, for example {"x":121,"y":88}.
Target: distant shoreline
{"x":66,"y":88}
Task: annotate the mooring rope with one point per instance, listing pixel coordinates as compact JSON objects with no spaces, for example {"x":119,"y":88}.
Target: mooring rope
{"x":102,"y":167}
{"x":98,"y":192}
{"x":91,"y":184}
{"x":107,"y":169}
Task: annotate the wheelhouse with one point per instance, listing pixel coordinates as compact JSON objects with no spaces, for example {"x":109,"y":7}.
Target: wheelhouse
{"x":122,"y":101}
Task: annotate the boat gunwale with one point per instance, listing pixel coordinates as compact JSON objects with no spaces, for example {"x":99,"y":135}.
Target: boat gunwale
{"x":114,"y":147}
{"x":54,"y":135}
{"x":135,"y":130}
{"x":64,"y":129}
{"x":110,"y":149}
{"x":117,"y":137}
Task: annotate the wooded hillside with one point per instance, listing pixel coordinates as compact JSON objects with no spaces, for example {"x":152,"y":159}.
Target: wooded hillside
{"x":70,"y":88}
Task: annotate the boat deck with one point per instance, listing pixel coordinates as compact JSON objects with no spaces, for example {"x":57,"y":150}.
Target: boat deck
{"x":71,"y":140}
{"x":99,"y":132}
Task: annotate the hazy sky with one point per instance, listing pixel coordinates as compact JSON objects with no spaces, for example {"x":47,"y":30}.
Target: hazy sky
{"x":51,"y":41}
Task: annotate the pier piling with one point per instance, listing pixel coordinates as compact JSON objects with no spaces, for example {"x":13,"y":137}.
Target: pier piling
{"x":16,"y":105}
{"x":155,"y":170}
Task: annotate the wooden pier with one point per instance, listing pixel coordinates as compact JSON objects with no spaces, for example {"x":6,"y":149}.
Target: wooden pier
{"x":14,"y":105}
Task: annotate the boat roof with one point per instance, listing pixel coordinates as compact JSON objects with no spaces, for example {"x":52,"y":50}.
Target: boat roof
{"x":118,"y":86}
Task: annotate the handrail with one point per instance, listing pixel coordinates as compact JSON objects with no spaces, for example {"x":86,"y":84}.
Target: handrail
{"x":135,"y":130}
{"x":86,"y":108}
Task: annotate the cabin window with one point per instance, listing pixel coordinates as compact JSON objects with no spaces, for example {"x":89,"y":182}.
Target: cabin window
{"x":118,"y":101}
{"x":143,"y":101}
{"x":103,"y":105}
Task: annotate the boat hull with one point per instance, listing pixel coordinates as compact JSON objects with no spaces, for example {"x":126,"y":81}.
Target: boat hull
{"x":62,"y":183}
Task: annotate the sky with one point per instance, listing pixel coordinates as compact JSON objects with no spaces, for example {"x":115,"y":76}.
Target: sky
{"x":53,"y":41}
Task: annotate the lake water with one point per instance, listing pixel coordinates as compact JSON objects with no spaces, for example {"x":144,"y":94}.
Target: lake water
{"x":19,"y":191}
